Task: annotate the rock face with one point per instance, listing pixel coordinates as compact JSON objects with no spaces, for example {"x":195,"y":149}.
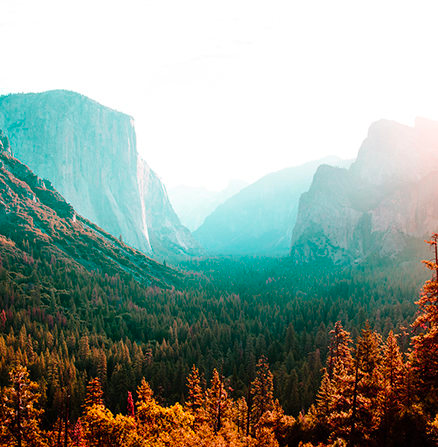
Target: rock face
{"x":32,"y":211}
{"x":259,"y":219}
{"x":385,"y":202}
{"x":89,"y":153}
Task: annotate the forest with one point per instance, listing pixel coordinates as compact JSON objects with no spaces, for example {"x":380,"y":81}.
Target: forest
{"x":248,"y":351}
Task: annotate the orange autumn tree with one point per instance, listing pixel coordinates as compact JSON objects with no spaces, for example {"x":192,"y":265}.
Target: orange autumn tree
{"x":19,"y":411}
{"x":425,"y":343}
{"x":393,"y":390}
{"x":335,"y":397}
{"x":195,"y":402}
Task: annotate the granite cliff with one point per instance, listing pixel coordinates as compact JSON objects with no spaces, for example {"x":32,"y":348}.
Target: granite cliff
{"x":37,"y":221}
{"x":89,"y":153}
{"x":259,"y":219}
{"x":386,"y":202}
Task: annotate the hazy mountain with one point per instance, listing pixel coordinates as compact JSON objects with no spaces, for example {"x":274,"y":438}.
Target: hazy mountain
{"x":194,"y":204}
{"x":383,"y":204}
{"x":89,"y":152}
{"x":35,"y":218}
{"x":260,"y":218}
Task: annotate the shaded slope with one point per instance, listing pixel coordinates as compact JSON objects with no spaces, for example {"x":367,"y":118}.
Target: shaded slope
{"x":33,"y":213}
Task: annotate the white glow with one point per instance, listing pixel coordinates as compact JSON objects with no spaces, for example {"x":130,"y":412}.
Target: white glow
{"x":231,"y":88}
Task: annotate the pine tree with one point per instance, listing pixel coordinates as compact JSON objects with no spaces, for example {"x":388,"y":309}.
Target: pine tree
{"x":339,"y":349}
{"x":217,"y":403}
{"x":195,"y":398}
{"x":393,"y":380}
{"x":365,"y":414}
{"x":262,"y":391}
{"x":94,"y":394}
{"x":335,"y":397}
{"x":144,"y":392}
{"x":425,"y":344}
{"x":19,"y":412}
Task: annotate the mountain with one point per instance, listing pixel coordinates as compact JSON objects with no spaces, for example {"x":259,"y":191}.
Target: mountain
{"x":260,"y":218}
{"x":385,"y":203}
{"x":194,"y":204}
{"x":89,"y":152}
{"x":37,"y":222}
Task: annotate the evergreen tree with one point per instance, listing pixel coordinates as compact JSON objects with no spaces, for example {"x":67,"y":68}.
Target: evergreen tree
{"x":365,"y":414}
{"x":335,"y":397}
{"x":262,"y":391}
{"x":393,"y":385}
{"x":94,"y":394}
{"x":195,"y":398}
{"x":20,"y":413}
{"x":425,"y":344}
{"x":339,"y":349}
{"x":217,"y":403}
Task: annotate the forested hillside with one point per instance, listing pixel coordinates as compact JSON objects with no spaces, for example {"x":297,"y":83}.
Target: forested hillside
{"x":228,"y":315}
{"x":90,"y":327}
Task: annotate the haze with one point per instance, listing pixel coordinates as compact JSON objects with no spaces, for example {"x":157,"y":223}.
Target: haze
{"x":231,"y":89}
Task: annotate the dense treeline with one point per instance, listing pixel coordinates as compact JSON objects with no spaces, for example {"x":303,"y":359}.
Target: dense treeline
{"x":68,"y":325}
{"x":370,"y":395}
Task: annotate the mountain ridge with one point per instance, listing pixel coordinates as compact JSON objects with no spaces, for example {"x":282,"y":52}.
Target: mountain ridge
{"x":260,"y":218}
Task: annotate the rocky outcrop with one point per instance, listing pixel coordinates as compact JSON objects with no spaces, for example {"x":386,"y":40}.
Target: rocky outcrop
{"x":4,"y":143}
{"x":89,"y":153}
{"x":386,"y":201}
{"x":259,"y":219}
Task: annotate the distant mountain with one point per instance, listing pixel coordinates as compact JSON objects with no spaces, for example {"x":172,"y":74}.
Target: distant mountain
{"x":193,"y":205}
{"x":385,"y":203}
{"x":36,"y":221}
{"x":260,"y":218}
{"x":89,"y":152}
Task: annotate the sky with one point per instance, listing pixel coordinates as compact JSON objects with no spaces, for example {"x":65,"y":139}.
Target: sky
{"x":231,"y":89}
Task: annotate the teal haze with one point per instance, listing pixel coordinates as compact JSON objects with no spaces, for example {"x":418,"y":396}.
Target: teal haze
{"x":260,"y":218}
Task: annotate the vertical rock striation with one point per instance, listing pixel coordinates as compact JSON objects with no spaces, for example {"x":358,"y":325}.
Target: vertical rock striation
{"x":89,"y":153}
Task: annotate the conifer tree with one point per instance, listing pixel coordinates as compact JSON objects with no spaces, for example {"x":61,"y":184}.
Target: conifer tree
{"x":393,"y":381}
{"x":94,"y":393}
{"x":335,"y":396}
{"x":217,"y":403}
{"x":19,"y":412}
{"x":262,"y":391}
{"x":145,"y":405}
{"x":425,"y":344}
{"x":339,"y":349}
{"x":195,"y":397}
{"x":365,"y":414}
{"x":144,"y":392}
